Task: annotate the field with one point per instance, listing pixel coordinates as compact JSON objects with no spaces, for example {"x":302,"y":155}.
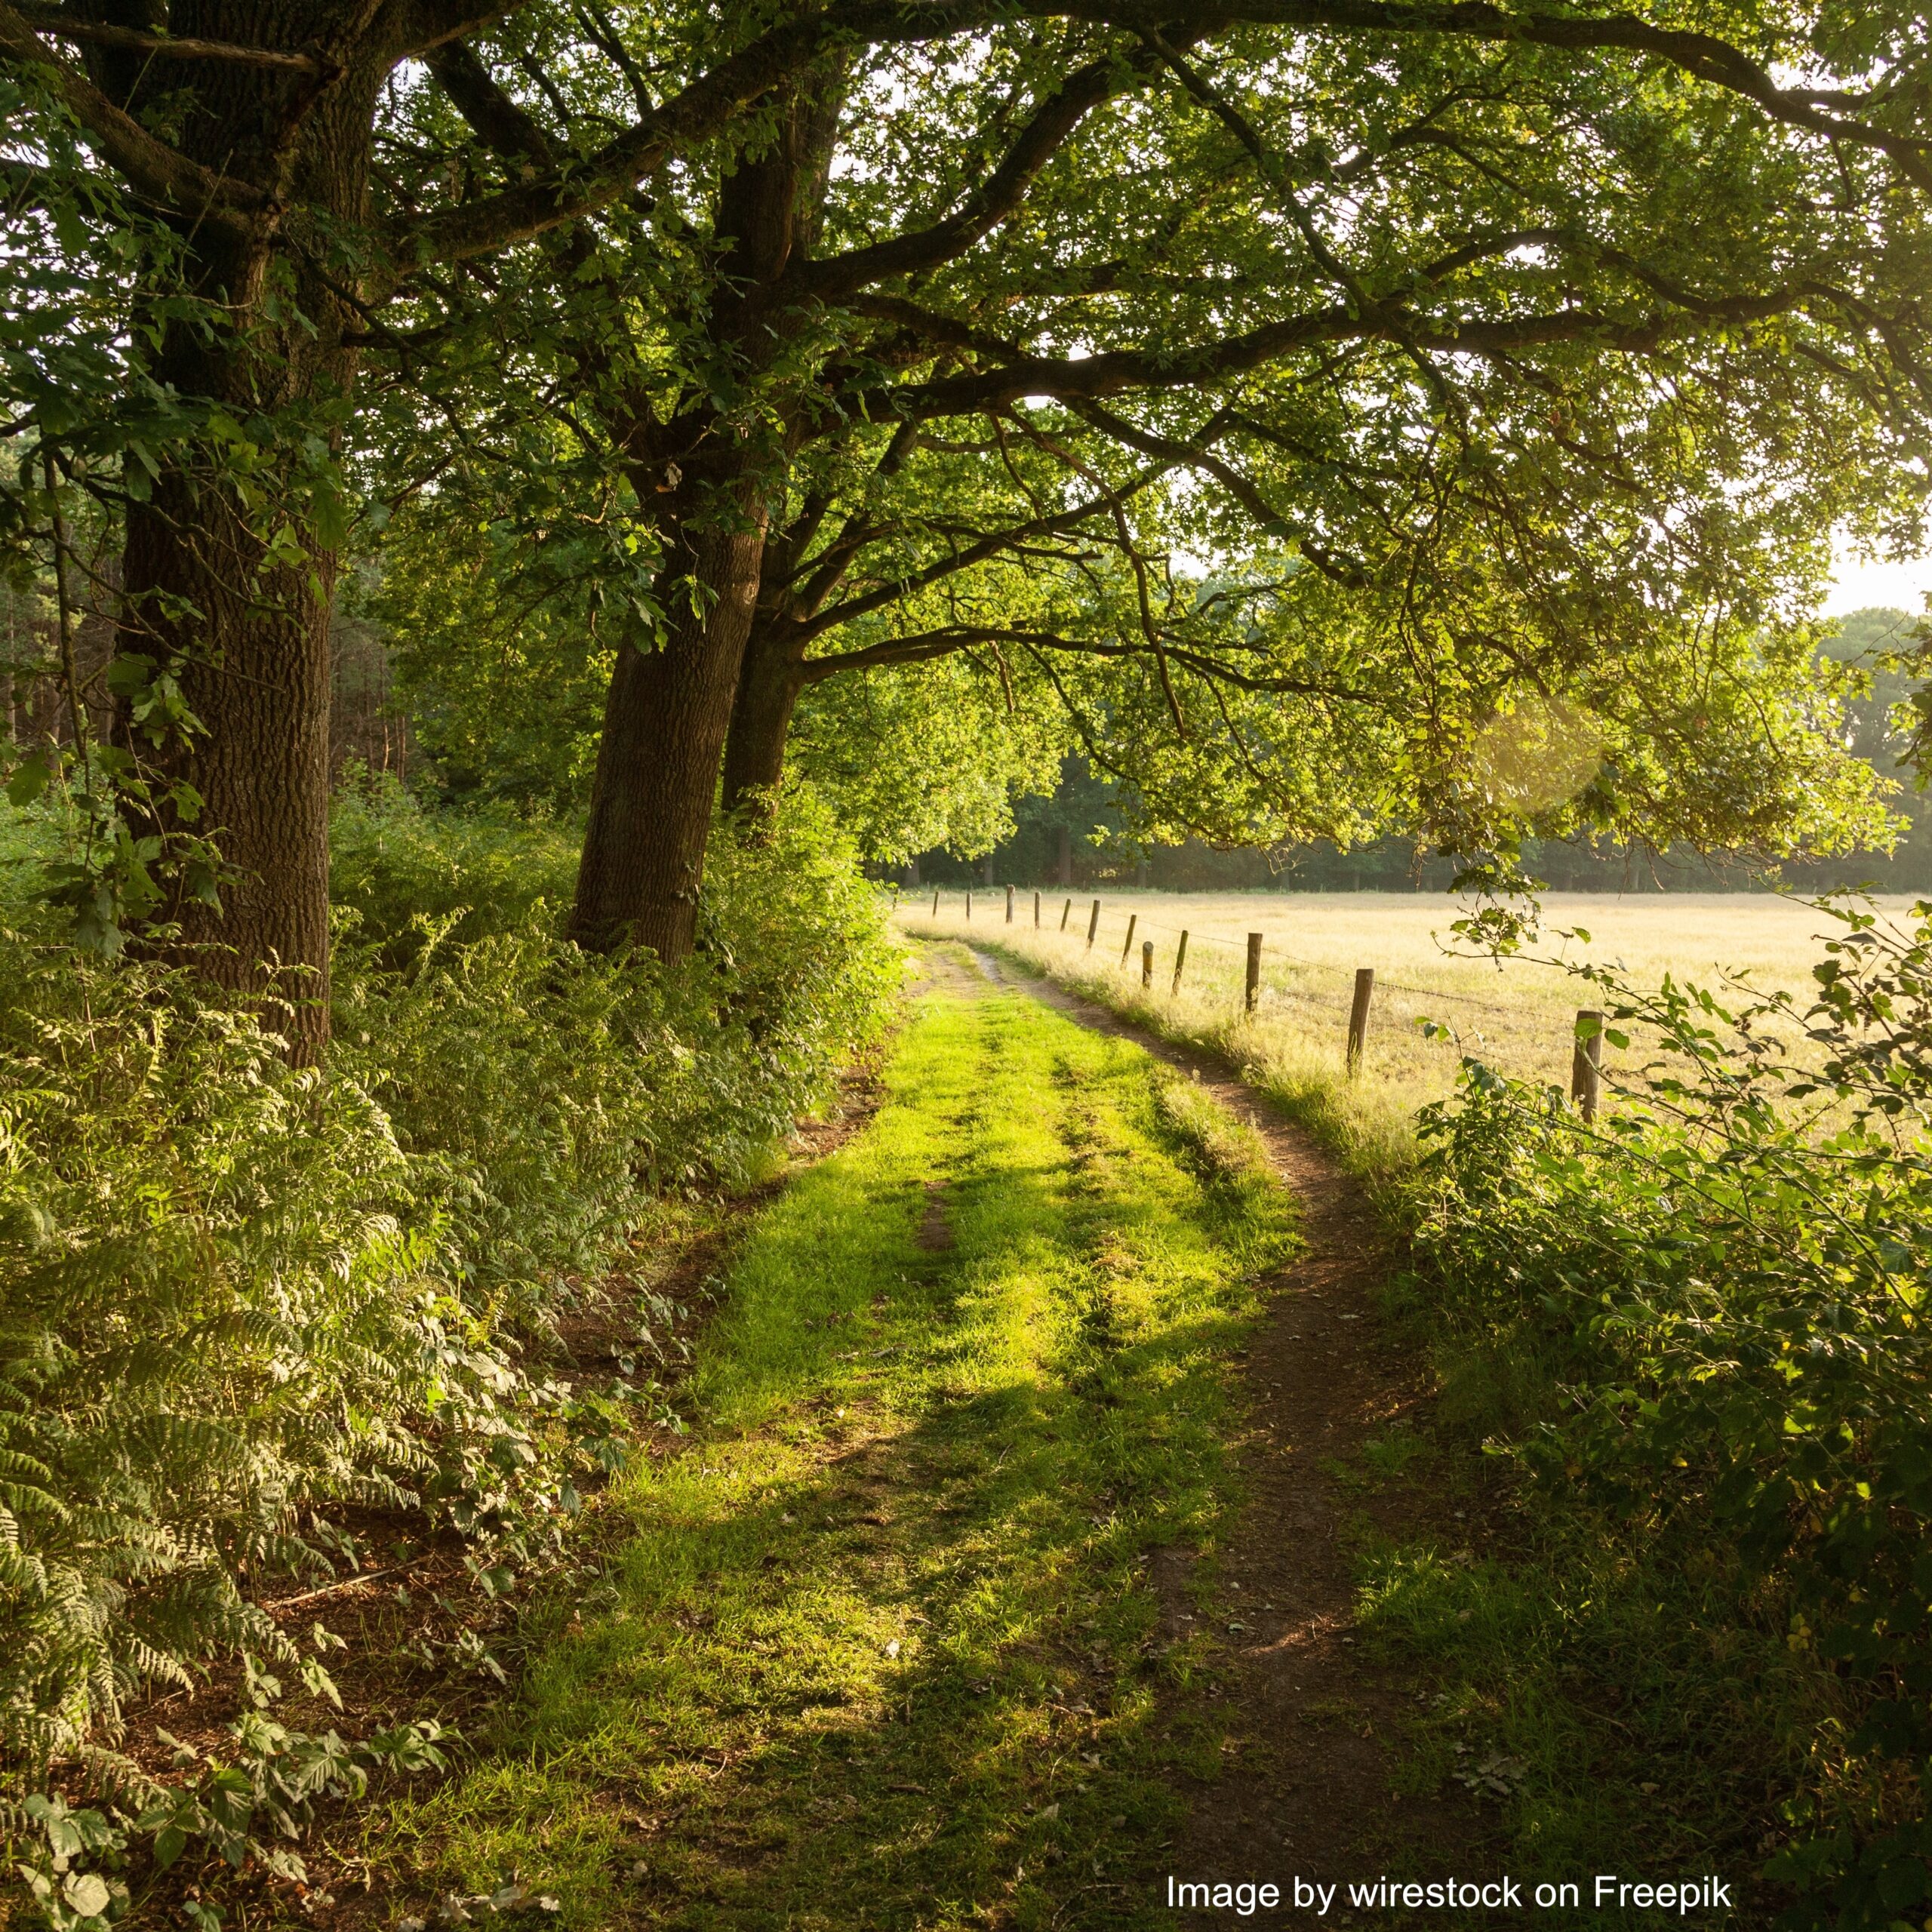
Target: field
{"x":1518,"y":1016}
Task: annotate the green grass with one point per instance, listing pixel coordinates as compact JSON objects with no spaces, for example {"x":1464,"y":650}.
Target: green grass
{"x":879,"y":1649}
{"x":1582,"y":1685}
{"x":1367,"y":1124}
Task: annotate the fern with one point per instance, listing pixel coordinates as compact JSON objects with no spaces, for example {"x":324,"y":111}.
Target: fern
{"x":236,"y":1298}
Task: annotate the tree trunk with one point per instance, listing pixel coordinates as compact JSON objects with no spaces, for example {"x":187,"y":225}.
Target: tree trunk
{"x":255,"y":671}
{"x":768,"y":688}
{"x":250,"y":646}
{"x":665,"y":721}
{"x":670,"y":710}
{"x":1064,"y":839}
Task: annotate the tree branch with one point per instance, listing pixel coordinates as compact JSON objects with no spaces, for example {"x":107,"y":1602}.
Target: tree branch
{"x":991,"y":545}
{"x":68,"y":25}
{"x":152,"y":169}
{"x":679,"y":124}
{"x":503,"y":126}
{"x":997,"y":197}
{"x":1194,"y":454}
{"x":1701,"y":54}
{"x":1115,"y":371}
{"x":946,"y":640}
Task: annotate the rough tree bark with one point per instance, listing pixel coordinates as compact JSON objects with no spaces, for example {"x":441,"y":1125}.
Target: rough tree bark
{"x":665,"y":719}
{"x":669,"y":709}
{"x":768,"y":688}
{"x":249,"y":644}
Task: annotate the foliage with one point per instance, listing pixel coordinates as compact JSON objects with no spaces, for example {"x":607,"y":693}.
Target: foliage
{"x":501,"y":649}
{"x":1280,"y":444}
{"x":236,"y":1297}
{"x":1878,"y":644}
{"x":923,"y":764}
{"x":252,"y":1807}
{"x":401,"y":868}
{"x":1719,"y":1294}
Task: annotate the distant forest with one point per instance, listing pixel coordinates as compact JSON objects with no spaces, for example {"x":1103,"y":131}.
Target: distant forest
{"x":1077,"y":837}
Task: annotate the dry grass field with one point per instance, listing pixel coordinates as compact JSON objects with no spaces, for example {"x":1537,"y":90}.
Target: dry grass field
{"x":1518,"y":1016}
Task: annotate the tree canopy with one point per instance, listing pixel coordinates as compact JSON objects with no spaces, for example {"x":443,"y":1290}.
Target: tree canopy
{"x":1327,"y":416}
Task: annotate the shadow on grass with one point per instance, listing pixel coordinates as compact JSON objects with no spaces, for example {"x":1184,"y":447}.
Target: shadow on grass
{"x":881,"y":1650}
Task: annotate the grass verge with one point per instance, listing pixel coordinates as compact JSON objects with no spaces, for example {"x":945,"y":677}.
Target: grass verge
{"x":881,"y":1649}
{"x":1366,"y":1125}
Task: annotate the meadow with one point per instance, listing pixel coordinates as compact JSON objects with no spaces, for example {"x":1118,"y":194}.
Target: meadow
{"x":1436,"y":1000}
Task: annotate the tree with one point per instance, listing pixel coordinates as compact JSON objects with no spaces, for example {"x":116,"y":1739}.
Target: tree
{"x":1517,"y":325}
{"x":233,"y":144}
{"x":1497,"y":357}
{"x":499,"y":637}
{"x":234,"y":157}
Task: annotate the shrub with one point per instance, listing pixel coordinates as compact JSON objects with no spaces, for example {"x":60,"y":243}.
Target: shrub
{"x":1727,"y":1287}
{"x":236,"y":1297}
{"x":403,"y":869}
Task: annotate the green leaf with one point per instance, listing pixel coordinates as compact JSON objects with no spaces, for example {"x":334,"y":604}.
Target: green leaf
{"x":86,"y":1894}
{"x":30,"y":776}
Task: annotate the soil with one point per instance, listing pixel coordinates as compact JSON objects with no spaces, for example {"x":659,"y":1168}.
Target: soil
{"x":1316,"y":1724}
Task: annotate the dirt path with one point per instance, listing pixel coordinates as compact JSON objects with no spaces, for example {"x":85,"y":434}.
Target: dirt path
{"x":874,"y":1649}
{"x":1319,"y":1725}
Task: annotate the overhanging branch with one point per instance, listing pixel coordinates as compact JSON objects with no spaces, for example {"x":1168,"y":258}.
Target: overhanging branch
{"x":66,"y":25}
{"x":150,"y":166}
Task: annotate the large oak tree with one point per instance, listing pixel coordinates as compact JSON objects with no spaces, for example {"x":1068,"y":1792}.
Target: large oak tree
{"x":1548,"y":356}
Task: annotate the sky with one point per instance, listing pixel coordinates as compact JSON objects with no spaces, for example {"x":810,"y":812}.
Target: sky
{"x":1857,"y":585}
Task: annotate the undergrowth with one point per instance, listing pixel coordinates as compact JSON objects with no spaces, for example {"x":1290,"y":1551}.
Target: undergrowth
{"x":241,"y":1303}
{"x":1694,"y":1331}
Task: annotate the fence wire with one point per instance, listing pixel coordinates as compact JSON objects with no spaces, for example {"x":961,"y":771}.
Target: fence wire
{"x":1269,"y":951}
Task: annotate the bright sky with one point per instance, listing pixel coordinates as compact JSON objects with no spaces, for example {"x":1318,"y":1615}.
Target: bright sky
{"x":1857,"y":585}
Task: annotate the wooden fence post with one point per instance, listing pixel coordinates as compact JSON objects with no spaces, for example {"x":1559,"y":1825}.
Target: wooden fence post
{"x":1065,"y":913}
{"x":1093,"y":925}
{"x":1358,"y":1015}
{"x":1146,"y":965}
{"x":969,"y":902}
{"x":935,"y":902}
{"x":1586,"y":1062}
{"x":1251,"y":992}
{"x":1180,"y":960}
{"x":1036,"y":911}
{"x":1133,"y":920}
{"x":1009,"y":905}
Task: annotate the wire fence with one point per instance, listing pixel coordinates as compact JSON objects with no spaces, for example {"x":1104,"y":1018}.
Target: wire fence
{"x":1361,"y":990}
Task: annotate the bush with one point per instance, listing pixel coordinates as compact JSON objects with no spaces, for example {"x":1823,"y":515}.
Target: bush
{"x":1725,"y":1287}
{"x":235,"y":1297}
{"x":402,"y":870}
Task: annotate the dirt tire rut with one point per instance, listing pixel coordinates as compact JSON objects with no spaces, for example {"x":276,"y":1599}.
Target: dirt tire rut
{"x":1316,"y":1725}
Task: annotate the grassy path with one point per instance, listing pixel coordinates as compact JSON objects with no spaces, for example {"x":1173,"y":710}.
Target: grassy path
{"x":887,"y":1647}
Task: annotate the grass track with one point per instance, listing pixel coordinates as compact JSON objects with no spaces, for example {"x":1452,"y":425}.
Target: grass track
{"x":878,"y":1650}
